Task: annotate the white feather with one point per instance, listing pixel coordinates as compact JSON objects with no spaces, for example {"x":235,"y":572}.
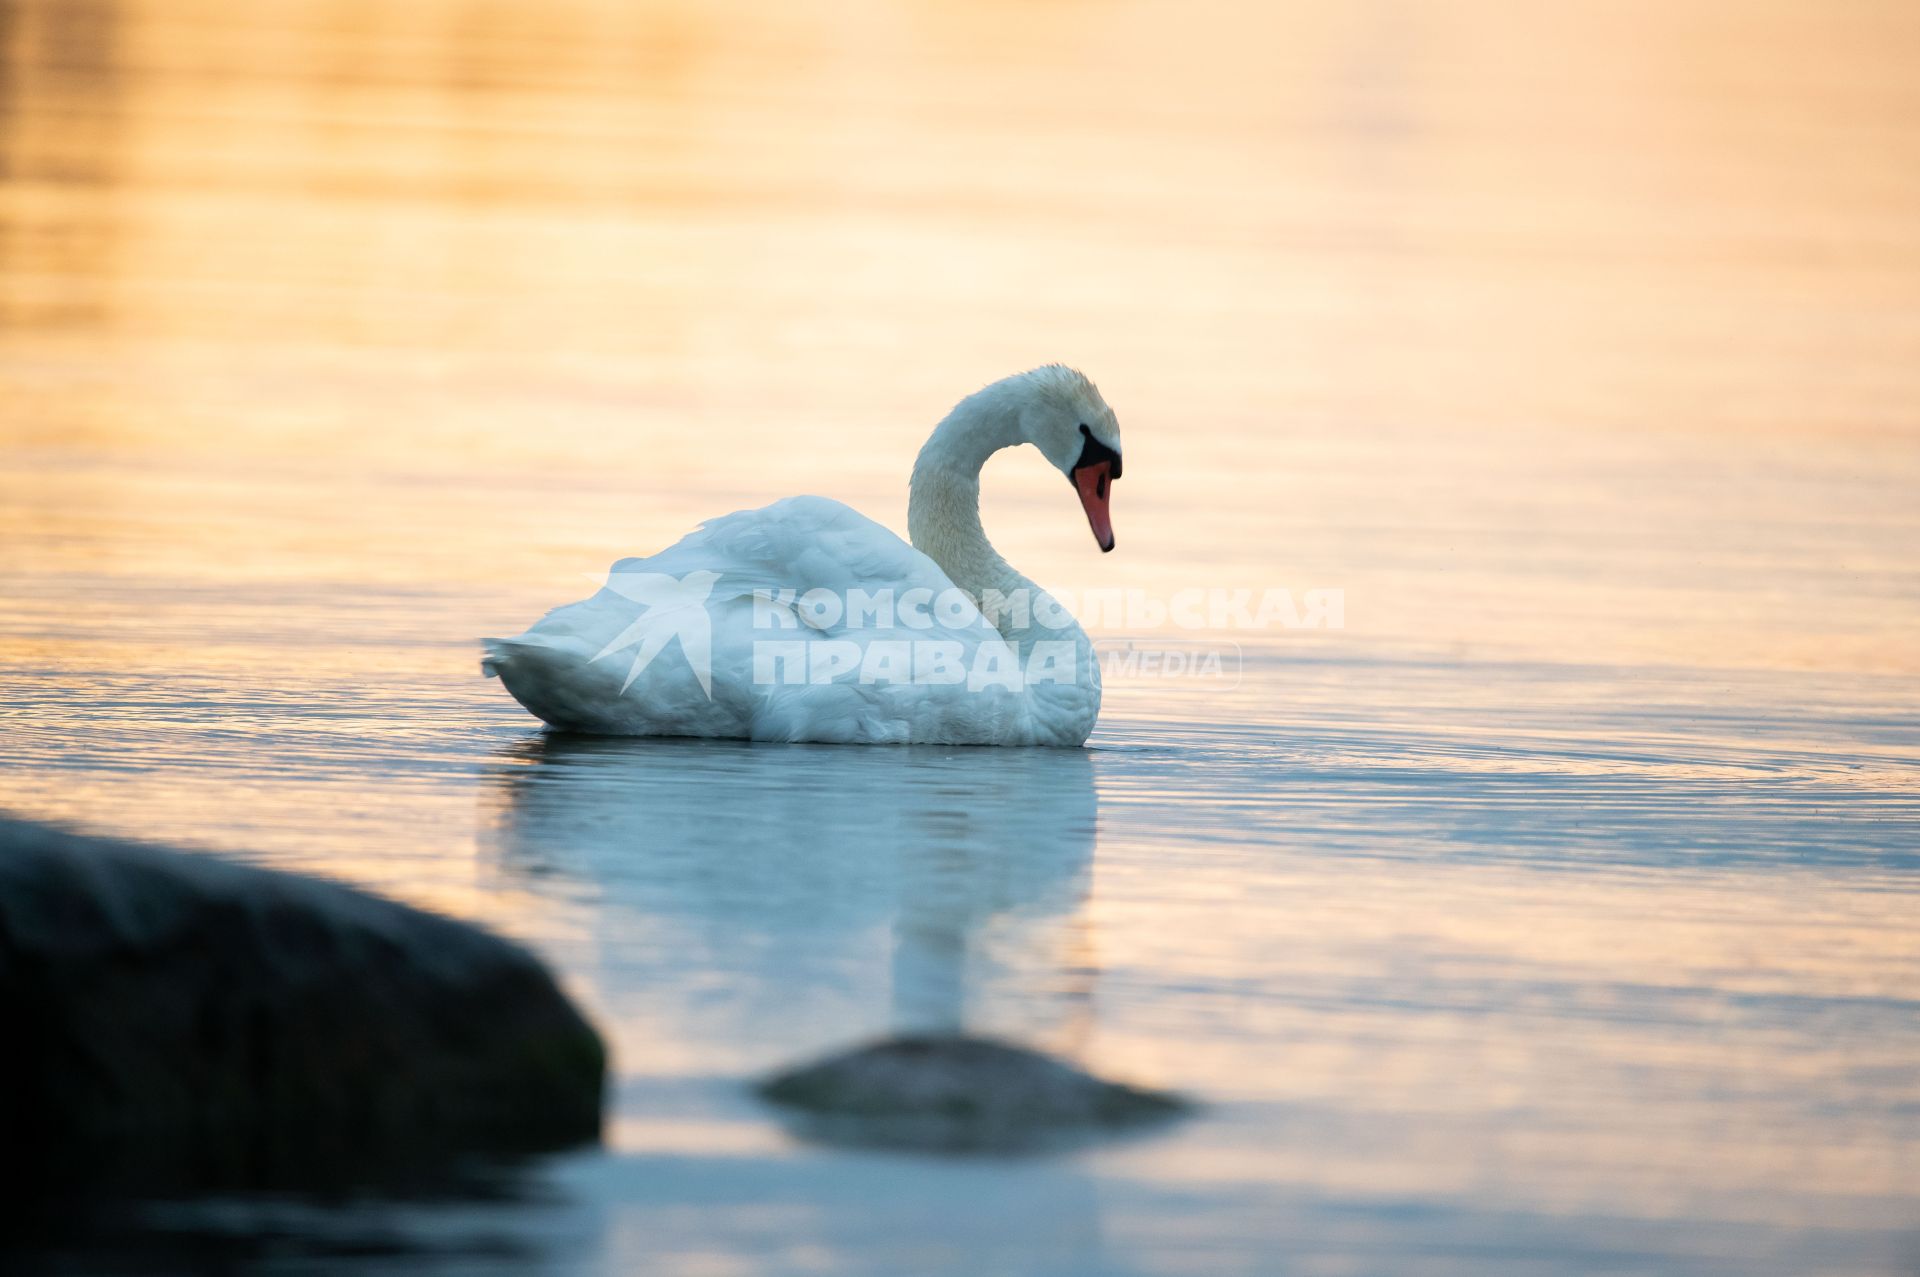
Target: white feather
{"x":668,"y":647}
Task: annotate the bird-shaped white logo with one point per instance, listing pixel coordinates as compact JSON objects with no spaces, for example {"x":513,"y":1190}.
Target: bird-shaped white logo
{"x":676,"y":607}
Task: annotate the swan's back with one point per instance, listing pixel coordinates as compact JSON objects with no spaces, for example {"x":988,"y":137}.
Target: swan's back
{"x":687,"y":642}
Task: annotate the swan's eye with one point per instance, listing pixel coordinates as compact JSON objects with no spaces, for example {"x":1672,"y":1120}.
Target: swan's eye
{"x":1095,"y":452}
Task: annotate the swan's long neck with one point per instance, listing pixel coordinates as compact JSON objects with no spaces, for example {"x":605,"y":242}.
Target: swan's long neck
{"x":943,"y":521}
{"x":943,"y":508}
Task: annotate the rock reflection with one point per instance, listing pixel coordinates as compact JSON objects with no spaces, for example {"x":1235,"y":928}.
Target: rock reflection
{"x":757,"y":900}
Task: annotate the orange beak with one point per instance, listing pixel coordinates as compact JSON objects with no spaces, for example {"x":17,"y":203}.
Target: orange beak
{"x":1094,"y":482}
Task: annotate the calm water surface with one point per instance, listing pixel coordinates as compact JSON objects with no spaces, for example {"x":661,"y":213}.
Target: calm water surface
{"x":1557,"y":914}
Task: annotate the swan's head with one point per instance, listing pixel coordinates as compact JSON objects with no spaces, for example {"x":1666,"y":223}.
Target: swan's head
{"x":1063,"y":415}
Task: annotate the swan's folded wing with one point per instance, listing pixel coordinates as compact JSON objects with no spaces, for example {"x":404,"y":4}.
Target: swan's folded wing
{"x":751,"y":570}
{"x":799,"y":543}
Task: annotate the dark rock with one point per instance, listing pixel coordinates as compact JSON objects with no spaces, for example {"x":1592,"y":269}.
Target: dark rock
{"x":955,"y":1093}
{"x":178,"y":1022}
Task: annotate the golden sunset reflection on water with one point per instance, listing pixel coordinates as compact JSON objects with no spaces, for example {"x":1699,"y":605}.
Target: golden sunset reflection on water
{"x":1556,"y":910}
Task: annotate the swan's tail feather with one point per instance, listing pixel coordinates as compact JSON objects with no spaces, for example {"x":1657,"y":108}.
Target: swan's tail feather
{"x":498,"y":654}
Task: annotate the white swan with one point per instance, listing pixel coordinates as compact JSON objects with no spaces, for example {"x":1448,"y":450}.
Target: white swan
{"x":807,"y":621}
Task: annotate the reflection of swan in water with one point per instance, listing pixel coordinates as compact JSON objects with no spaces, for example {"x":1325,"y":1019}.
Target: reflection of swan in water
{"x":754,"y":897}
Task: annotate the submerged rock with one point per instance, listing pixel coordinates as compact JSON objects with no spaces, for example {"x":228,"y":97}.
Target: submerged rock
{"x":177,"y":1021}
{"x":954,"y":1093}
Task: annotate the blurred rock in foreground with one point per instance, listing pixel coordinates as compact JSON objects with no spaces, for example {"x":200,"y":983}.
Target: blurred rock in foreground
{"x":177,"y":1022}
{"x":959,"y":1094}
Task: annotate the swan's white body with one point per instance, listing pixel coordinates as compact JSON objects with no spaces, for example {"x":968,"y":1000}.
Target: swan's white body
{"x":591,"y":666}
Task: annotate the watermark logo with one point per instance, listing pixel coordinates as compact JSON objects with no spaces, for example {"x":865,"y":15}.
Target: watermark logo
{"x":674,"y":608}
{"x":1211,"y":661}
{"x":918,"y":662}
{"x":924,"y":637}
